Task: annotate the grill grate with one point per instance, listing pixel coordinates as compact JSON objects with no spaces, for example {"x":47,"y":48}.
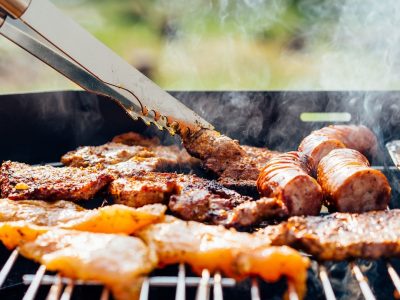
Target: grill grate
{"x":62,"y":288}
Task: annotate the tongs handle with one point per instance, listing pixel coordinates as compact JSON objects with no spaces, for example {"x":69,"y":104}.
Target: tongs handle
{"x":15,"y":8}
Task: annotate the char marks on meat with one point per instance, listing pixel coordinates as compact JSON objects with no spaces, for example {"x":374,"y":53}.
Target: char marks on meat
{"x":20,"y":181}
{"x":236,"y":166}
{"x":128,"y":153}
{"x":320,"y":142}
{"x":285,"y":177}
{"x":340,"y":236}
{"x":350,"y":184}
{"x":194,"y":198}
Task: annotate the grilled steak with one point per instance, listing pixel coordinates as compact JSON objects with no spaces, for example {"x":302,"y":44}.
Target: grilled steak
{"x":21,"y":181}
{"x":236,"y":254}
{"x":350,"y":184}
{"x":285,"y":177}
{"x":236,"y":166}
{"x":320,"y":142}
{"x":339,"y":236}
{"x":128,"y":153}
{"x":194,"y":198}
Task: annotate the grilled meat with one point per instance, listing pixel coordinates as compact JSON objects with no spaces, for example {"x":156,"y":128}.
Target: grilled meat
{"x":236,"y":166}
{"x":350,"y":184}
{"x":143,"y":188}
{"x":120,"y":262}
{"x":285,"y":177}
{"x":320,"y":142}
{"x":340,"y":236}
{"x":20,"y":181}
{"x":129,"y":153}
{"x":194,"y":198}
{"x":217,"y":249}
{"x":68,"y":215}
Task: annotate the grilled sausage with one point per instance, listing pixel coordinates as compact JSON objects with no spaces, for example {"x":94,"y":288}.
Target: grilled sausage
{"x":320,"y":142}
{"x":350,"y":184}
{"x":286,"y":177}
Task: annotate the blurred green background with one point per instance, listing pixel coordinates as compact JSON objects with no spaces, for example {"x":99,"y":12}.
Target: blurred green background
{"x":233,"y":45}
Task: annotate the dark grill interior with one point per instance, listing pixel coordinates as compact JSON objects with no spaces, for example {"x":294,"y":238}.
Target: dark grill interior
{"x":39,"y":128}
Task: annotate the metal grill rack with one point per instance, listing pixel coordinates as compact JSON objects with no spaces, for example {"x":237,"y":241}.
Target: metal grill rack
{"x":62,"y":288}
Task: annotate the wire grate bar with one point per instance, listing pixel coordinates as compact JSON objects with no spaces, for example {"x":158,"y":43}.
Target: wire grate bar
{"x":55,"y":290}
{"x":157,"y":281}
{"x":362,"y":282}
{"x":255,"y":290}
{"x":181,"y":284}
{"x":34,"y":286}
{"x":218,"y":294}
{"x":144,"y":291}
{"x":292,"y":291}
{"x":8,"y":266}
{"x":68,"y":291}
{"x":204,"y":287}
{"x":394,"y":276}
{"x":326,"y":284}
{"x":105,"y":294}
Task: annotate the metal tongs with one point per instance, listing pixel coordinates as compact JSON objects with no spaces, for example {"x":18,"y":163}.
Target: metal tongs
{"x":44,"y":31}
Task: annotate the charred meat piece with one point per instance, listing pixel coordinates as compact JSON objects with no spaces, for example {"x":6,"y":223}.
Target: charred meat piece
{"x":236,"y":254}
{"x":236,"y":166}
{"x":340,"y":236}
{"x":208,"y":201}
{"x":350,"y":184}
{"x":285,"y":177}
{"x":320,"y":142}
{"x":20,"y":181}
{"x":135,"y":139}
{"x":63,"y":214}
{"x":194,"y":198}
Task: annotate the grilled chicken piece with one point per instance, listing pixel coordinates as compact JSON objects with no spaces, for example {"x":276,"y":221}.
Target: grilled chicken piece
{"x":285,"y":177}
{"x":340,"y":236}
{"x":135,"y":139}
{"x":217,"y":249}
{"x":20,"y":181}
{"x":118,"y":261}
{"x":320,"y":142}
{"x":194,"y":198}
{"x":236,"y":166}
{"x":350,"y":184}
{"x":67,"y":215}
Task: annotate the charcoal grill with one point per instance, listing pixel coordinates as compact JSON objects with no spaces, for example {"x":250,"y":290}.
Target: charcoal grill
{"x":38,"y":128}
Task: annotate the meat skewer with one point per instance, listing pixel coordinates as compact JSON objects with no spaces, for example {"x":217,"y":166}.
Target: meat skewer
{"x":350,"y":184}
{"x":285,"y":177}
{"x":320,"y":142}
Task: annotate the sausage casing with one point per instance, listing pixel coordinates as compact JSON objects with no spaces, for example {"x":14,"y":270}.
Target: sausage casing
{"x":286,"y":177}
{"x":350,"y":184}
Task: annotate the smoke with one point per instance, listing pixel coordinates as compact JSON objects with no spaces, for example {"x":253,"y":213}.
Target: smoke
{"x":359,"y":43}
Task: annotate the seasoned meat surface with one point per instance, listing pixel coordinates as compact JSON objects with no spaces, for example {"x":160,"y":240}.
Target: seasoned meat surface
{"x":320,"y":142}
{"x":236,"y":166}
{"x":350,"y":184}
{"x":194,"y":198}
{"x":129,"y":153}
{"x":20,"y":181}
{"x":64,"y":214}
{"x":340,"y":236}
{"x":285,"y":177}
{"x":215,"y":248}
{"x":118,"y":261}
